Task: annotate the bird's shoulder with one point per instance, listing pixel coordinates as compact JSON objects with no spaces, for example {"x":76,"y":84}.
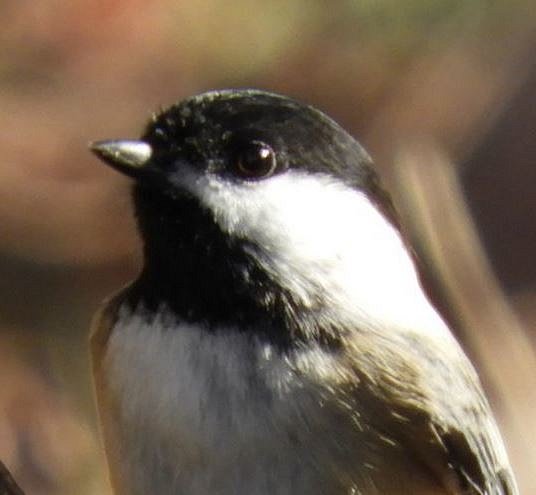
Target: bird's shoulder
{"x":426,"y":397}
{"x":101,"y":330}
{"x":103,"y":323}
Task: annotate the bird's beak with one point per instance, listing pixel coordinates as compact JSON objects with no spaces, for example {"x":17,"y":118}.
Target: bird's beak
{"x":129,"y":157}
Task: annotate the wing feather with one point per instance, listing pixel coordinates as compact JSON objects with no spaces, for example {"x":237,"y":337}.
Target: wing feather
{"x":427,"y":396}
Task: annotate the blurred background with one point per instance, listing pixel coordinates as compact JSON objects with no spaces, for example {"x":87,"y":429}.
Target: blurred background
{"x":442,"y":93}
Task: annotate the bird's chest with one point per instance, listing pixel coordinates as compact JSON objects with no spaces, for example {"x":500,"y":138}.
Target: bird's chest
{"x":204,"y":412}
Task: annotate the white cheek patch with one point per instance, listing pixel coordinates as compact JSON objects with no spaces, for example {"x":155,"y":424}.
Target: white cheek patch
{"x":321,"y":238}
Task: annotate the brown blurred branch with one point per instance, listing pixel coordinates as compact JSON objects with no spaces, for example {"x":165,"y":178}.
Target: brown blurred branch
{"x":459,"y":276}
{"x":8,"y":486}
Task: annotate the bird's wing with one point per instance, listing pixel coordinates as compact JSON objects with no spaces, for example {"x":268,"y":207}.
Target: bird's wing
{"x":436,"y":411}
{"x":101,"y":329}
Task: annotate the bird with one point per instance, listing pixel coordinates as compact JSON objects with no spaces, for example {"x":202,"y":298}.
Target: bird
{"x":277,"y":339}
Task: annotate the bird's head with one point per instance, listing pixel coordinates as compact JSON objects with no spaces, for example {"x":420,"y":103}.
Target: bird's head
{"x":245,"y":190}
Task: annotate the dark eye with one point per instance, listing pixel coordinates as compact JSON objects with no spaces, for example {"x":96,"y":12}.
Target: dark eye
{"x":254,"y":160}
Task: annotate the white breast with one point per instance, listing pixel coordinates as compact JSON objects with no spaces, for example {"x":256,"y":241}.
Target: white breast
{"x":204,"y":413}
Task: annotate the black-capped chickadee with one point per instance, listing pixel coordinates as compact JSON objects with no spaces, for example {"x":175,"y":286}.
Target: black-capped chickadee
{"x":277,"y":340}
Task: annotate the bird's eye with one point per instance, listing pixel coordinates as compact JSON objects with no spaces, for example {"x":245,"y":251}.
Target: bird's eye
{"x":254,"y":160}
